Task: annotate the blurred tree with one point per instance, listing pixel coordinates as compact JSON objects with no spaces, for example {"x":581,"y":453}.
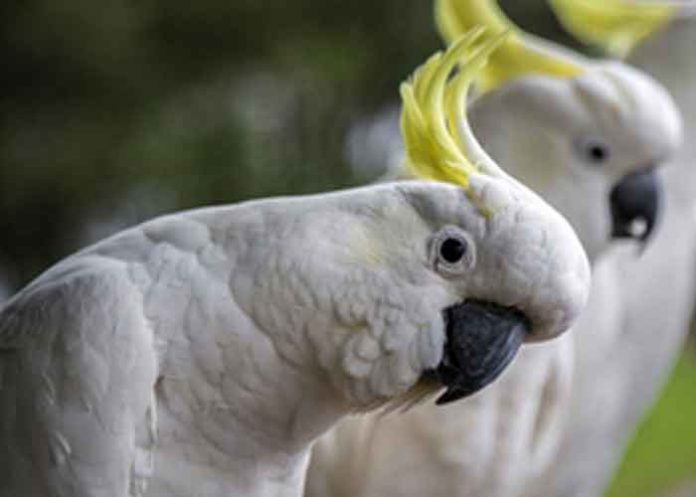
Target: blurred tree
{"x":210,"y":101}
{"x":206,"y":101}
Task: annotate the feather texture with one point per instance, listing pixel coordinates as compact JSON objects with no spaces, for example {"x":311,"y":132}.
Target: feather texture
{"x":437,"y":137}
{"x":616,"y":25}
{"x":519,"y":53}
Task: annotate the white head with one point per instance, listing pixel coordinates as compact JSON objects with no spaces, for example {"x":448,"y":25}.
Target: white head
{"x":589,"y":145}
{"x":388,"y":285}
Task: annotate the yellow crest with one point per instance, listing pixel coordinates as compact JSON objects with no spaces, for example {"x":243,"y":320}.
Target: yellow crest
{"x":615,"y":25}
{"x":437,"y":137}
{"x":518,"y":55}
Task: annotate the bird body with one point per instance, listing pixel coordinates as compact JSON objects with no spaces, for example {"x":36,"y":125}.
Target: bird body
{"x":135,"y":349}
{"x":655,"y":292}
{"x":486,"y":448}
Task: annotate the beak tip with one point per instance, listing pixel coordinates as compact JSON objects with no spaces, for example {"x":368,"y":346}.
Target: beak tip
{"x":635,"y":206}
{"x":482,"y":340}
{"x":446,"y":398}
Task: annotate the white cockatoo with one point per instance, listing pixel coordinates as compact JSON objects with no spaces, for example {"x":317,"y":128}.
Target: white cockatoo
{"x":618,"y":378}
{"x":605,"y":128}
{"x":201,"y":353}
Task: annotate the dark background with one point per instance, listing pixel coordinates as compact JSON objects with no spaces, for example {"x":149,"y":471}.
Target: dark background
{"x":114,"y":111}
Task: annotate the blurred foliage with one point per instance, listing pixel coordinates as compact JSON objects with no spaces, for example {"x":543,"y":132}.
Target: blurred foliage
{"x":662,"y":453}
{"x":202,"y":102}
{"x":206,"y":101}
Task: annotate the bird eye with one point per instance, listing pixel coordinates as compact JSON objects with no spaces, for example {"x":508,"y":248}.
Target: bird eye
{"x":452,"y":251}
{"x":594,"y":151}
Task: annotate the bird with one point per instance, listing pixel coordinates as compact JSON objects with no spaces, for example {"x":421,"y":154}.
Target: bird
{"x":606,"y":129}
{"x":657,"y":290}
{"x":202,"y":352}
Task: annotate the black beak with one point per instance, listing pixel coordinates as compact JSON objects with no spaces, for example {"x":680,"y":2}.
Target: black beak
{"x":482,"y":339}
{"x":635,"y":204}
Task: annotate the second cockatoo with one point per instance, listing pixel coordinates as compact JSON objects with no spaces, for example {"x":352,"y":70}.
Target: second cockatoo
{"x":605,"y":128}
{"x":201,"y":353}
{"x":618,"y":377}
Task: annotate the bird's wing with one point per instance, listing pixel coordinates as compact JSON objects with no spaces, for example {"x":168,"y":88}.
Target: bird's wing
{"x":77,"y":366}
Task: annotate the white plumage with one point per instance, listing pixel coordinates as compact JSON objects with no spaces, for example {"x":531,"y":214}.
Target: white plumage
{"x":620,"y":376}
{"x":202,"y":352}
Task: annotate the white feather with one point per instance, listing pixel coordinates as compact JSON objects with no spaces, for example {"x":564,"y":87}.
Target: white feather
{"x":201,"y":353}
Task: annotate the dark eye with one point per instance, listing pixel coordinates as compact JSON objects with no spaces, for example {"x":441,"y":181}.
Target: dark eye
{"x":595,"y":151}
{"x":452,"y":250}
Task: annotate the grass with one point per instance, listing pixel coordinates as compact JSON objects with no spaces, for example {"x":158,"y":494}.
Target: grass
{"x":662,"y":454}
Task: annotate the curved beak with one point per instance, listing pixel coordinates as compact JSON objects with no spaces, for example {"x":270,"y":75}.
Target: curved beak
{"x":635,"y":204}
{"x":482,"y":339}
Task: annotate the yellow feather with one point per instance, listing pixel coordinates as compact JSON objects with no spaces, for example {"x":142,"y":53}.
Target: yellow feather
{"x":517,"y":55}
{"x":615,"y":25}
{"x":434,"y":109}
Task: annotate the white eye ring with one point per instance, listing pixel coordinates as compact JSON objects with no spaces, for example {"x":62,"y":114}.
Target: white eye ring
{"x":452,"y":251}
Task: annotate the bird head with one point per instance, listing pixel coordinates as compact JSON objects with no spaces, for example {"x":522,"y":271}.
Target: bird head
{"x":590,"y":143}
{"x":591,"y":146}
{"x":400,"y":289}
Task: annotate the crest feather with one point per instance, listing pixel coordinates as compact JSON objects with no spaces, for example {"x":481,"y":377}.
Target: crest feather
{"x":517,"y":56}
{"x":437,"y":136}
{"x":615,"y":25}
